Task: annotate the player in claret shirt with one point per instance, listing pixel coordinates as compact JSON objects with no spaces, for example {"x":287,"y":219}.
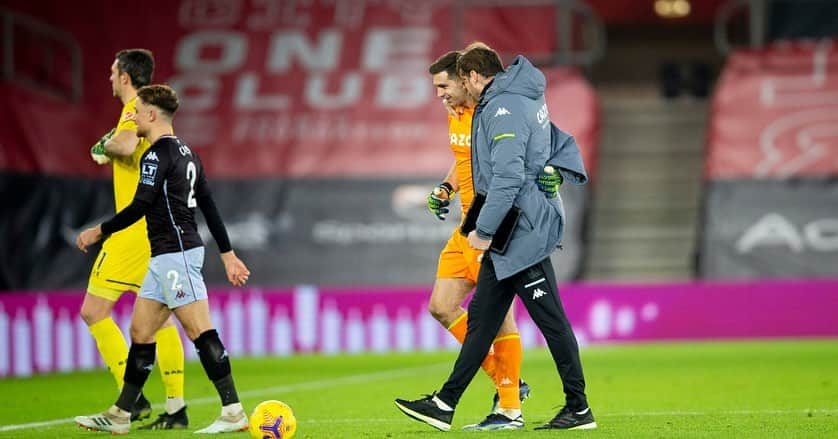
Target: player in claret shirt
{"x":171,"y":186}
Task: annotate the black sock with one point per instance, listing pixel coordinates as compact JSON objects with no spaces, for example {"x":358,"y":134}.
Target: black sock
{"x":137,"y":369}
{"x":128,"y":396}
{"x":216,"y":364}
{"x":226,"y":390}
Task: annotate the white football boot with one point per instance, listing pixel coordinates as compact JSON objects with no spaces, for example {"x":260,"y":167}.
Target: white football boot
{"x":111,"y":420}
{"x":226,"y":424}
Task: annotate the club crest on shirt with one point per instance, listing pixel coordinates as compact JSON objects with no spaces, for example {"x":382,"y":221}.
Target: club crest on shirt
{"x":149,"y":172}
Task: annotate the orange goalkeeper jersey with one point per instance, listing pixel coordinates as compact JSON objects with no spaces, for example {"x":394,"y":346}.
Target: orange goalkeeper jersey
{"x":459,"y":133}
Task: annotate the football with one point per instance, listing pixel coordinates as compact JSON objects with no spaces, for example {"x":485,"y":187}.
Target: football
{"x":272,"y":420}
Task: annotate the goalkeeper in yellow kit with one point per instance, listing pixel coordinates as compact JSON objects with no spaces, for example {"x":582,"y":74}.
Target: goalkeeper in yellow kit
{"x":123,"y":260}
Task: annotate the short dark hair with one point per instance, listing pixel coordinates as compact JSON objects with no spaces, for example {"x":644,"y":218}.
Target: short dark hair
{"x":446,"y":63}
{"x":481,"y":59}
{"x":161,"y":96}
{"x":138,"y":64}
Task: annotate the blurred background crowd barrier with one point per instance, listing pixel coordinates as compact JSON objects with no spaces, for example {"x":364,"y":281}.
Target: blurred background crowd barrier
{"x":708,"y":128}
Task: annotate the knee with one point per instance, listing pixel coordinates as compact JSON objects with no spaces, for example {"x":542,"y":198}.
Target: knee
{"x":194,"y":324}
{"x":141,"y":335}
{"x":91,"y":314}
{"x":443,"y":312}
{"x":194,"y":331}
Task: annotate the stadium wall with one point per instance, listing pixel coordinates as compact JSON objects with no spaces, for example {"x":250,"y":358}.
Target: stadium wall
{"x":317,"y":124}
{"x":771,"y":166}
{"x":41,"y":332}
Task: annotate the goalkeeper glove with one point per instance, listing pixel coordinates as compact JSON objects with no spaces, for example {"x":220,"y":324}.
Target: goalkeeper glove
{"x":439,"y":199}
{"x":549,"y":181}
{"x":98,"y":151}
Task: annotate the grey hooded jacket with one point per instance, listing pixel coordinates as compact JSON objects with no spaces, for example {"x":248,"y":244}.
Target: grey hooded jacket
{"x":512,"y":140}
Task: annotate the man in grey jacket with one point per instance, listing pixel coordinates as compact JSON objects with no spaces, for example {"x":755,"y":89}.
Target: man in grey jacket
{"x":511,"y":143}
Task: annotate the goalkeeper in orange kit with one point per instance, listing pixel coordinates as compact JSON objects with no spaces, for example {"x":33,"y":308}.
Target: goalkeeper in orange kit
{"x":459,"y":263}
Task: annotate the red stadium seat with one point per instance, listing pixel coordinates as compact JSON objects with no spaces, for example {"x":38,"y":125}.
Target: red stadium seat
{"x":775,"y":113}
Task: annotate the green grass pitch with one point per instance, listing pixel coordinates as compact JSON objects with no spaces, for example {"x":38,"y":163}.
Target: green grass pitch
{"x":784,"y":389}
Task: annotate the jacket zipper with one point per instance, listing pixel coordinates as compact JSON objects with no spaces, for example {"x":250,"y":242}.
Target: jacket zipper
{"x":477,"y":110}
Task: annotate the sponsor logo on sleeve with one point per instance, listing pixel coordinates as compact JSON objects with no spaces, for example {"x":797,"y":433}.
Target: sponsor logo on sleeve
{"x":543,"y":115}
{"x":148,"y":174}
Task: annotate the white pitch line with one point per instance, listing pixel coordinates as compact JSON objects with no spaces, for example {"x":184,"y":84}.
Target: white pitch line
{"x":726,"y":412}
{"x":621,"y":414}
{"x":320,"y":384}
{"x":369,"y":377}
{"x":385,"y":420}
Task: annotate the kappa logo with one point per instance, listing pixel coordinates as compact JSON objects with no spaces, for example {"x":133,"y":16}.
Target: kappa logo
{"x":502,"y":112}
{"x":152,"y":156}
{"x":180,"y":294}
{"x":538,"y":292}
{"x":505,"y":381}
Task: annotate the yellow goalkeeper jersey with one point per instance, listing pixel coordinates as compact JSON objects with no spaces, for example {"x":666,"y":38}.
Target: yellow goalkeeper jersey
{"x":123,"y":258}
{"x":126,"y":170}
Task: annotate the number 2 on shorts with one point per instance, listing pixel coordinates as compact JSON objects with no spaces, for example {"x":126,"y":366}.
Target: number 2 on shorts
{"x":174,"y":277}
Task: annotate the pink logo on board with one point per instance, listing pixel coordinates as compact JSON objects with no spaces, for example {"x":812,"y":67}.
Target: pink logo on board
{"x":41,"y":331}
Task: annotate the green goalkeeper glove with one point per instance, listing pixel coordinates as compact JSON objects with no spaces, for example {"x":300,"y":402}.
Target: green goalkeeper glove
{"x":98,"y":151}
{"x":439,"y":199}
{"x":549,"y":181}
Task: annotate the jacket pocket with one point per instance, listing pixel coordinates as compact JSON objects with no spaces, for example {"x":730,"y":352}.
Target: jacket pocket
{"x":525,"y":221}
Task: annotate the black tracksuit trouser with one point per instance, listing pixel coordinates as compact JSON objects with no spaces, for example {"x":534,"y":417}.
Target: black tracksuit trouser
{"x":537,"y":288}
